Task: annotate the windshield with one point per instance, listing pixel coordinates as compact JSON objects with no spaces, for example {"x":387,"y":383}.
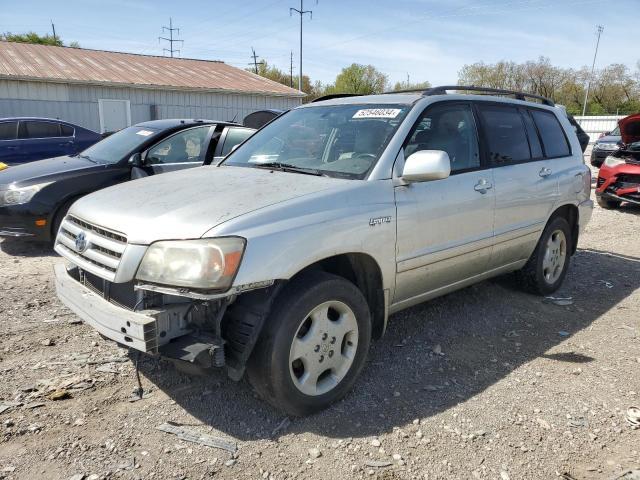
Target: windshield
{"x":116,"y":147}
{"x":339,"y":141}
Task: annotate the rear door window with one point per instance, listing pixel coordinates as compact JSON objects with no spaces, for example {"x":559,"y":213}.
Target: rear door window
{"x":8,"y":130}
{"x":553,"y":138}
{"x":532,"y":133}
{"x":34,"y":129}
{"x":235,"y":136}
{"x":66,"y":130}
{"x":505,"y":134}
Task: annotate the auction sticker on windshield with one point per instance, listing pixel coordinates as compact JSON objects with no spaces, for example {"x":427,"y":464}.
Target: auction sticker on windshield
{"x":377,"y":113}
{"x":144,"y":133}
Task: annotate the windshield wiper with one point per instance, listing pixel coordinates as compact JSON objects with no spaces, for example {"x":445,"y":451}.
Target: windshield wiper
{"x":286,"y":167}
{"x":86,"y":157}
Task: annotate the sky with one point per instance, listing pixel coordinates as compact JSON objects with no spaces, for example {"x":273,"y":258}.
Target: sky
{"x":423,"y":39}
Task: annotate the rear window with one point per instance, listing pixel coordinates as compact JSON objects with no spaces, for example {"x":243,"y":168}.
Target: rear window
{"x":8,"y":130}
{"x":553,"y":138}
{"x":66,"y":130}
{"x":506,"y":137}
{"x":39,"y":129}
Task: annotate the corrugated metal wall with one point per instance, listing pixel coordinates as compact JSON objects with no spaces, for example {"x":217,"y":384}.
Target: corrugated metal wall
{"x":596,"y":125}
{"x":79,"y":104}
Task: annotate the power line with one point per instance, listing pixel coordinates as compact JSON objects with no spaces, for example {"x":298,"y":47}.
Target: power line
{"x":301,"y":12}
{"x":171,"y":40}
{"x":595,"y":54}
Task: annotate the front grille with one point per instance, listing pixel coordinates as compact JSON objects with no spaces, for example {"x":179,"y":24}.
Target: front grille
{"x":103,"y":250}
{"x":120,"y":294}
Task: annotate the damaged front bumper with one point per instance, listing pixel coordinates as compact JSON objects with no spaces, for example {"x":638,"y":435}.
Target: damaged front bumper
{"x":145,"y":331}
{"x":207,"y":333}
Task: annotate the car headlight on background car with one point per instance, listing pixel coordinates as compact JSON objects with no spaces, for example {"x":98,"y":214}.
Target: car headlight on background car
{"x":612,"y":161}
{"x":205,"y":264}
{"x":20,"y":195}
{"x":608,"y":146}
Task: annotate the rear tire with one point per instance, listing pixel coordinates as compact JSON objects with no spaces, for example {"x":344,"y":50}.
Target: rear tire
{"x":608,"y":204}
{"x":313,"y":345}
{"x":546,"y":268}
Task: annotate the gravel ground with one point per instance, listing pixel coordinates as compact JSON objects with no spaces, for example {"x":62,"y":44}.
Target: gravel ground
{"x":486,"y":383}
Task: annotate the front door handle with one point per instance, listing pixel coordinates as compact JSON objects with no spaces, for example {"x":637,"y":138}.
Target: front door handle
{"x":482,"y":186}
{"x":545,"y":172}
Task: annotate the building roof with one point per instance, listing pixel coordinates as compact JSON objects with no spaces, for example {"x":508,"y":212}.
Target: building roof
{"x":25,"y":61}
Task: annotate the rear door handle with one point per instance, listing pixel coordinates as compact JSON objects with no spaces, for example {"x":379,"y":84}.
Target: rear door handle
{"x":482,"y":186}
{"x":545,"y":172}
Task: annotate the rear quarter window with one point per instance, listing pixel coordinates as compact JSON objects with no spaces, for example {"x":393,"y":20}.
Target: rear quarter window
{"x":8,"y":130}
{"x":554,"y":140}
{"x":505,"y":134}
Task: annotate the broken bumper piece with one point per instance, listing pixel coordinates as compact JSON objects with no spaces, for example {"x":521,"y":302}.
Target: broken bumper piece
{"x":145,"y":331}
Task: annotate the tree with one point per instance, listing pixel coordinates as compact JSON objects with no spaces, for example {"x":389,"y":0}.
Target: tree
{"x":33,"y":37}
{"x":277,"y":75}
{"x":360,"y":79}
{"x":411,"y":86}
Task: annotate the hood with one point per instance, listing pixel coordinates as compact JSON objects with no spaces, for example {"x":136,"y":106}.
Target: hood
{"x":186,"y":204}
{"x":608,"y":139}
{"x":630,"y":129}
{"x":44,"y":170}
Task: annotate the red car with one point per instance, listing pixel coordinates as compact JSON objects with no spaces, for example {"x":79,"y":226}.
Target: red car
{"x":619,"y":176}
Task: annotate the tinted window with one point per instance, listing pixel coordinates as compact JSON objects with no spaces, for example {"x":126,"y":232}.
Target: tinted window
{"x":235,"y":136}
{"x":8,"y":130}
{"x":507,"y":141}
{"x":186,"y":146}
{"x":66,"y":130}
{"x":39,"y":129}
{"x":534,"y":140}
{"x":553,"y":139}
{"x":450,"y":128}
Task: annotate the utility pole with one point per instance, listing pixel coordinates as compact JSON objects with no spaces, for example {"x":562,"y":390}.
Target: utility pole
{"x":171,"y":40}
{"x":586,"y":94}
{"x":255,"y":60}
{"x":301,"y":12}
{"x":408,"y":83}
{"x":291,"y":71}
{"x":53,"y":27}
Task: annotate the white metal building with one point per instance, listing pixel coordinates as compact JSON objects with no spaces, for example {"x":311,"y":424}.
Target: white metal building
{"x":106,"y":91}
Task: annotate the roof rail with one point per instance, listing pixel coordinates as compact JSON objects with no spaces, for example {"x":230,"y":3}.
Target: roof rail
{"x":336,"y":95}
{"x":442,"y":90}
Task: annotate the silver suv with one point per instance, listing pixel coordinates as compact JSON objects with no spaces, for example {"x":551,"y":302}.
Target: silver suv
{"x":287,"y":260}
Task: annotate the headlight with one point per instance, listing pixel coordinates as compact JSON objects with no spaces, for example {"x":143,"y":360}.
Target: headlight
{"x":612,"y":161}
{"x":207,"y":264}
{"x":607,"y":146}
{"x":20,"y":195}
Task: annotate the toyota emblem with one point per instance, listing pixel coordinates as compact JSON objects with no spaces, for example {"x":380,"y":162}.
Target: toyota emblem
{"x":81,"y":242}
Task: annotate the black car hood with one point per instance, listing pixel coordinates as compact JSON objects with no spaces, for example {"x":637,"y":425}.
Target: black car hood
{"x":45,"y":170}
{"x":609,"y":139}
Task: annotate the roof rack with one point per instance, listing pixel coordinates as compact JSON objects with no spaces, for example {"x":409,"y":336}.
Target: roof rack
{"x":442,"y":90}
{"x":335,"y":95}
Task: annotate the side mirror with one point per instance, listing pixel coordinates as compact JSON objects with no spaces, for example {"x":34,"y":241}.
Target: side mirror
{"x":426,"y":165}
{"x":135,"y":160}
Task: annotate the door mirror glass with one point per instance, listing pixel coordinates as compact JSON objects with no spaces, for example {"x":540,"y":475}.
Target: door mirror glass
{"x":426,"y":165}
{"x":135,"y":160}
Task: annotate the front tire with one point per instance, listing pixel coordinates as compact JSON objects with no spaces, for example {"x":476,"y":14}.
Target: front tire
{"x":313,"y":345}
{"x":546,"y":268}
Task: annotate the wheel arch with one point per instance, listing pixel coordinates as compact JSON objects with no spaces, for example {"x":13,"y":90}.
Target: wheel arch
{"x":571,"y":213}
{"x":364,"y":272}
